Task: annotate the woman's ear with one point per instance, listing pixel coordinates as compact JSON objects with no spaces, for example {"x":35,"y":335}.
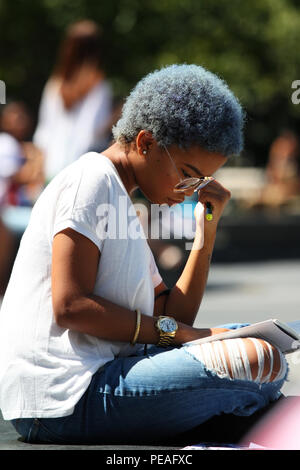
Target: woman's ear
{"x":144,"y":142}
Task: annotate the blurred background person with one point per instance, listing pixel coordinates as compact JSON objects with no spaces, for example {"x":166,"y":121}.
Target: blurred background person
{"x":11,"y":159}
{"x":21,"y":180}
{"x":282,"y":173}
{"x":76,"y":106}
{"x":27,"y":184}
{"x":283,"y":170}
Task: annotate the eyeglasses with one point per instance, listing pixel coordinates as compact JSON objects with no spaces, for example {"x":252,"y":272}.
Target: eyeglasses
{"x":189,"y":183}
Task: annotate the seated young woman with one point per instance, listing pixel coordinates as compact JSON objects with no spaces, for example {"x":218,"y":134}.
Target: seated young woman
{"x":85,"y":295}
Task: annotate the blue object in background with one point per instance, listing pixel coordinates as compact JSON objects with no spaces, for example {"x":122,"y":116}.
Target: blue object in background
{"x":16,"y":218}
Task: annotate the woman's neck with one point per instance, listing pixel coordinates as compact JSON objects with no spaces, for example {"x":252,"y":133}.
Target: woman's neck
{"x":119,"y":156}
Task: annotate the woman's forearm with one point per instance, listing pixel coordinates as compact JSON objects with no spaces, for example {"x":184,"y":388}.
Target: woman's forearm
{"x":104,"y":319}
{"x":185,"y":298}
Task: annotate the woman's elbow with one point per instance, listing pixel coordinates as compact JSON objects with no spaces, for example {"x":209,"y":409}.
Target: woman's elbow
{"x":62,"y":312}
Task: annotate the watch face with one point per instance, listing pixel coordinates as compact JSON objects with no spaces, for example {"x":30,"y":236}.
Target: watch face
{"x":168,"y":325}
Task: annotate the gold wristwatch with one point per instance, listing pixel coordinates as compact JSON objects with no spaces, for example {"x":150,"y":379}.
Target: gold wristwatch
{"x":167,"y":327}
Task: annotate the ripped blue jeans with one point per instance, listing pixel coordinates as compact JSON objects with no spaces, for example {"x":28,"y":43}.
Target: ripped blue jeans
{"x":148,"y":398}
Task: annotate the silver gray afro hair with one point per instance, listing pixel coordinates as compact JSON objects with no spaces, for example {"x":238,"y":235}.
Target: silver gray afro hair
{"x":183,"y":105}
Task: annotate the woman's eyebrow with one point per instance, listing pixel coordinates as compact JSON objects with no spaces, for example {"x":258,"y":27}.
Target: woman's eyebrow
{"x":192,"y":167}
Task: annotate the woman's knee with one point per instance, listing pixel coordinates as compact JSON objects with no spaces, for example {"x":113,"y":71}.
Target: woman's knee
{"x":267,"y":362}
{"x":243,"y":358}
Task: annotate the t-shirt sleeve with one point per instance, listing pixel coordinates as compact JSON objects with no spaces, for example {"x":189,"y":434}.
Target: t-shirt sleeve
{"x":80,"y":207}
{"x":81,"y":221}
{"x":155,"y":275}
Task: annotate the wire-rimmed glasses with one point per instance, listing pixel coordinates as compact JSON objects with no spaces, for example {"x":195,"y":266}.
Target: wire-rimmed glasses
{"x":189,"y":183}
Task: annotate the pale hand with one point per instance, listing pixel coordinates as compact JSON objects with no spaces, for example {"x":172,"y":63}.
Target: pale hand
{"x":199,"y":214}
{"x":217,"y":331}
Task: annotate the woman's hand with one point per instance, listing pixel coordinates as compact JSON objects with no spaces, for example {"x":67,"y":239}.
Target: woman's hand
{"x":217,"y":331}
{"x":187,"y":333}
{"x":217,"y":196}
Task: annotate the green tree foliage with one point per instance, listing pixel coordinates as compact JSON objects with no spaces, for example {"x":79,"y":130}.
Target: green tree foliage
{"x":253,"y":45}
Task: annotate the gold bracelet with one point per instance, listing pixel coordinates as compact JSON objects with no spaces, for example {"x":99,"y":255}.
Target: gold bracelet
{"x":137,"y":328}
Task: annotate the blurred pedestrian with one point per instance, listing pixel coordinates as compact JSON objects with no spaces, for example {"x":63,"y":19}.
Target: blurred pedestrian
{"x":283,"y":170}
{"x":11,"y":160}
{"x":76,"y":104}
{"x":21,"y":180}
{"x":282,"y":186}
{"x":27,"y":184}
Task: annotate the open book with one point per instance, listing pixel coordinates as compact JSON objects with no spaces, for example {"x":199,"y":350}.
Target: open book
{"x":286,"y":336}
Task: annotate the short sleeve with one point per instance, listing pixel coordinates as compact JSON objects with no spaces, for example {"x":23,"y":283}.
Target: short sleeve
{"x":82,"y":222}
{"x":81,"y":207}
{"x":155,"y":275}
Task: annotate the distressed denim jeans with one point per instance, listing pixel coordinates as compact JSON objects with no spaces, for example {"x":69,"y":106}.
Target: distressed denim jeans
{"x":148,"y":398}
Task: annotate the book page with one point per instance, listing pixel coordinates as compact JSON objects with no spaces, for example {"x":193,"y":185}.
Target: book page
{"x":295,"y":325}
{"x":266,"y":330}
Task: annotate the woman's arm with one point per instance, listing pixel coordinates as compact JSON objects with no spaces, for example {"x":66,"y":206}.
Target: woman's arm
{"x":185,"y":298}
{"x":75,"y":262}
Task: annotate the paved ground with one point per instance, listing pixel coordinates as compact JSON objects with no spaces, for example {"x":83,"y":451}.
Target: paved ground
{"x":249,"y":292}
{"x":235,"y":293}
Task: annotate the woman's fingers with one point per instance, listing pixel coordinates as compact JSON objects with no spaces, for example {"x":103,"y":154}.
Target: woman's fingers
{"x":216,"y":195}
{"x":215,"y":190}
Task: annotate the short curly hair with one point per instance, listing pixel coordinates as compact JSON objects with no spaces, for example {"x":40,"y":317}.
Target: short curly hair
{"x":183,"y":105}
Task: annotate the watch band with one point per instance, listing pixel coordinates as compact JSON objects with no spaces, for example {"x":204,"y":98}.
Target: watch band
{"x":165,"y":339}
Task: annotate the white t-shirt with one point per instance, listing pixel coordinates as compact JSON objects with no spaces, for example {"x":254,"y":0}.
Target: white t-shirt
{"x":64,"y":135}
{"x":11,"y":159}
{"x":45,"y":369}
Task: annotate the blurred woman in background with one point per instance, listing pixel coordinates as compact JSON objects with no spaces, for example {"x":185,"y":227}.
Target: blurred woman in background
{"x":76,"y":104}
{"x":21,"y":181}
{"x":11,"y":159}
{"x":283,"y":170}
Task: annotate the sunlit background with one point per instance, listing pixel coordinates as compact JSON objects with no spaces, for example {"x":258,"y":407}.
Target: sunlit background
{"x":253,"y":46}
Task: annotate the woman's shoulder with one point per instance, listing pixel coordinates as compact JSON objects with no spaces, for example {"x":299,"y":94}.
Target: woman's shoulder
{"x":52,"y":86}
{"x":98,"y":163}
{"x":97,"y":176}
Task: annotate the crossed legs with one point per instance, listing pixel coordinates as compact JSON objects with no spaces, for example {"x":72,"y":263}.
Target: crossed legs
{"x":155,"y":397}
